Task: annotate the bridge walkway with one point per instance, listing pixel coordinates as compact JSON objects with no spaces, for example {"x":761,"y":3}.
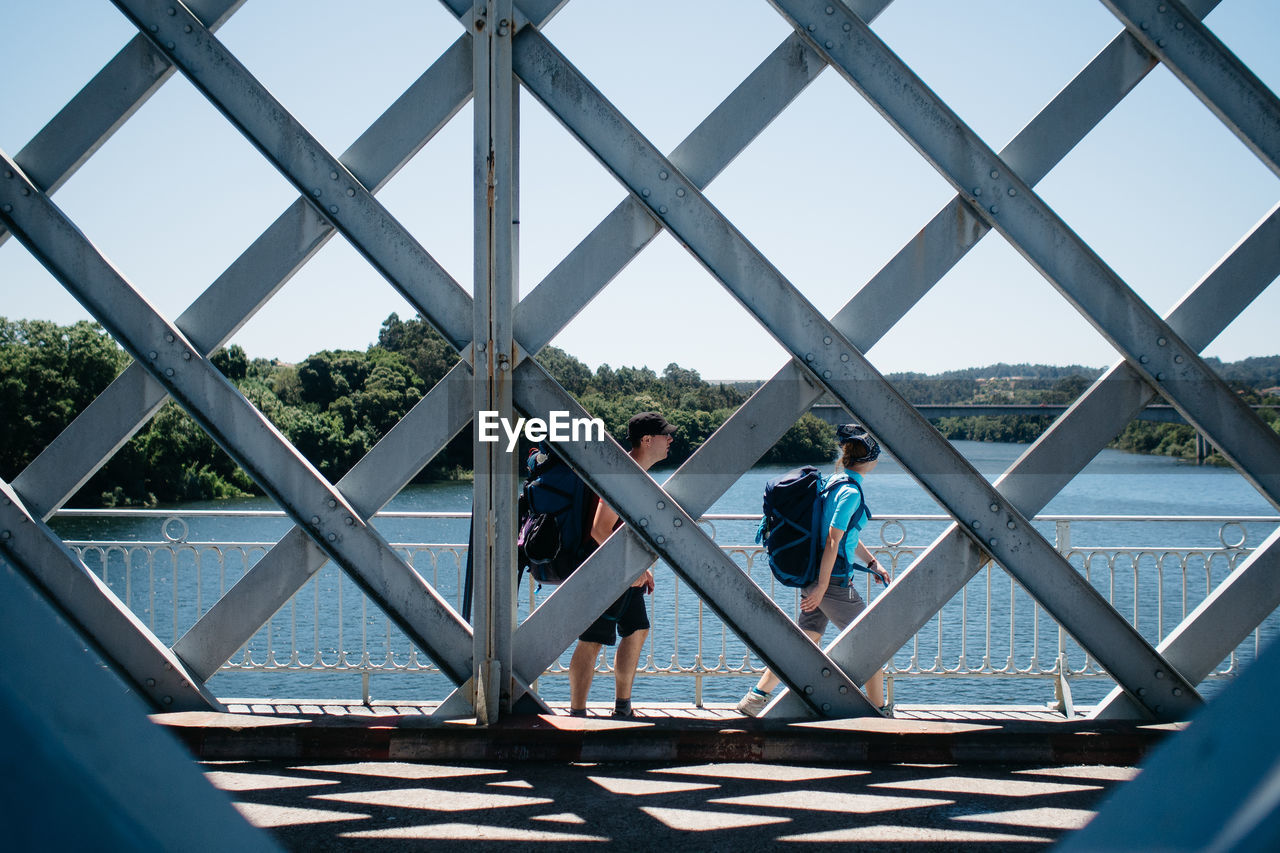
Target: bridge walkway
{"x":329,"y":776}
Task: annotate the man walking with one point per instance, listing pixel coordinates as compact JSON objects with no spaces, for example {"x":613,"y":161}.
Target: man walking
{"x":626,"y":622}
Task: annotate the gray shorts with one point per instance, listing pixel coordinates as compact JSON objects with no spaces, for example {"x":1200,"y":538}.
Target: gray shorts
{"x":841,"y":605}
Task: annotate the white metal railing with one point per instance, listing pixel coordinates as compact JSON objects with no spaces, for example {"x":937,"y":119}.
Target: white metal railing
{"x":991,"y":629}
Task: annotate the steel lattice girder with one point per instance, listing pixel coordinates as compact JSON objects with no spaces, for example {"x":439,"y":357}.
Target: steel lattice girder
{"x":1053,"y":460}
{"x":881,"y":5}
{"x":238,"y":427}
{"x":842,"y":369}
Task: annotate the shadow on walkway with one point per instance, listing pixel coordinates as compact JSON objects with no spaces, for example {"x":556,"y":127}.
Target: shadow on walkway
{"x":388,"y":806}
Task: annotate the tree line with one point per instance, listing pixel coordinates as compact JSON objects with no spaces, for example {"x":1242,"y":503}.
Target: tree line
{"x":335,"y":405}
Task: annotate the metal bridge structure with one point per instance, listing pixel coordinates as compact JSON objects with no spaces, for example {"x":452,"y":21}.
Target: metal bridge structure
{"x":492,"y":661}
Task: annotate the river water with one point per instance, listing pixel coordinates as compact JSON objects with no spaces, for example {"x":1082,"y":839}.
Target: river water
{"x":1114,"y":484}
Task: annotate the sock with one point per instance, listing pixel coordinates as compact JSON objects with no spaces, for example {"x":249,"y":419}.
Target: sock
{"x":622,"y":706}
{"x":758,"y":691}
{"x":577,"y":712}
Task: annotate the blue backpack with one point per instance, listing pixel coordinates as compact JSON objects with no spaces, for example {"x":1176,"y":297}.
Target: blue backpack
{"x":556,"y":510}
{"x":791,"y":528}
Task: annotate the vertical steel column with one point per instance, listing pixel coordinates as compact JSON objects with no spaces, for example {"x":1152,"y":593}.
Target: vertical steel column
{"x":493,"y":510}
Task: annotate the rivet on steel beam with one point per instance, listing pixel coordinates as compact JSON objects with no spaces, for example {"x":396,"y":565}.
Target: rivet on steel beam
{"x":186,"y":356}
{"x":975,"y":524}
{"x":675,"y":522}
{"x":1011,"y":525}
{"x":808,"y":689}
{"x":1143,"y":25}
{"x":680,"y":192}
{"x":826,"y":374}
{"x":333,"y":537}
{"x":829,"y":45}
{"x":1012,"y":192}
{"x":333,"y":176}
{"x":1177,"y":691}
{"x":168,"y":45}
{"x":644,"y":522}
{"x":662,"y":208}
{"x":995,"y":173}
{"x":995,"y":507}
{"x":153,"y":355}
{"x":26,"y":191}
{"x":995,"y":208}
{"x":1144,"y":359}
{"x":827,"y":340}
{"x":350,"y":521}
{"x":187,"y":28}
{"x":826,"y":706}
{"x":660,"y":539}
{"x":5,"y":534}
{"x":168,"y":336}
{"x":1159,"y":377}
{"x":1178,"y":25}
{"x":844,"y":356}
{"x":812,"y":27}
{"x":663,"y":174}
{"x":1177,"y":359}
{"x":1159,"y":673}
{"x":662,"y":504}
{"x":151,"y":682}
{"x":154,"y":28}
{"x":172,"y":11}
{"x":1161,"y":341}
{"x":808,"y":356}
{"x":993,"y":542}
{"x":826,"y":672}
{"x":831,"y":9}
{"x":168,"y":371}
{"x":1142,"y":691}
{"x":168,"y":700}
{"x":977,"y":191}
{"x":333,"y":208}
{"x":1160,"y":43}
{"x":8,"y":208}
{"x":332,"y":503}
{"x":645,"y":192}
{"x":843,"y":690}
{"x":1161,"y":8}
{"x":315,"y":519}
{"x":847,"y":27}
{"x":316,"y":192}
{"x":8,"y":173}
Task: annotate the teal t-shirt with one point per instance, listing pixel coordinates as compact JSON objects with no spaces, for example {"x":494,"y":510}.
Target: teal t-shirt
{"x":839,"y":508}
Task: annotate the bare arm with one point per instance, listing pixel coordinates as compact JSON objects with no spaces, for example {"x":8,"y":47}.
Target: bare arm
{"x":830,"y":551}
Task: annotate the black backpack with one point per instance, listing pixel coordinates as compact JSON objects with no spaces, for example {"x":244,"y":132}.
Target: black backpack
{"x":790,"y":530}
{"x":556,"y":510}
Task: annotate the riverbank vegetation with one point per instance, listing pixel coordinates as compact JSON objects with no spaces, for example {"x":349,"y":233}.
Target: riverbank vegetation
{"x":335,"y":405}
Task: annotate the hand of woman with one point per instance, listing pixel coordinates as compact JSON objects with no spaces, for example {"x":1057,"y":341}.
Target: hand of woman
{"x":645,"y":582}
{"x":812,"y":598}
{"x":879,"y":571}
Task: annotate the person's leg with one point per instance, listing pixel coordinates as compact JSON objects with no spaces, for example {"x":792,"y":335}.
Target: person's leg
{"x":625,"y":661}
{"x":582,"y":669}
{"x":768,"y":680}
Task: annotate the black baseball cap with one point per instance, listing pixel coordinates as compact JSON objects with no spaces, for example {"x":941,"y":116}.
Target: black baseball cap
{"x":857,"y":434}
{"x":647,"y":423}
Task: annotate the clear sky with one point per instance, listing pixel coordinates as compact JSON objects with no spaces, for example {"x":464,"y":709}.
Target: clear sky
{"x":829,"y":192}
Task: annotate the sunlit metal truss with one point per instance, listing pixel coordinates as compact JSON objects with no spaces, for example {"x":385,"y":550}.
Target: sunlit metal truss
{"x":502,"y":44}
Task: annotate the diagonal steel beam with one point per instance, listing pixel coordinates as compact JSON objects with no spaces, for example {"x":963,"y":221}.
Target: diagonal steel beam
{"x":1055,"y":458}
{"x":231,"y":421}
{"x":840,"y":367}
{"x":1012,"y":207}
{"x":337,"y":194}
{"x":658,"y":522}
{"x":131,"y":647}
{"x":1225,"y":85}
{"x":104,"y":104}
{"x":1217,"y":626}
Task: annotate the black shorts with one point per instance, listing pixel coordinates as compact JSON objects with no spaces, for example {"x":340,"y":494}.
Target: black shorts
{"x":626,"y":616}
